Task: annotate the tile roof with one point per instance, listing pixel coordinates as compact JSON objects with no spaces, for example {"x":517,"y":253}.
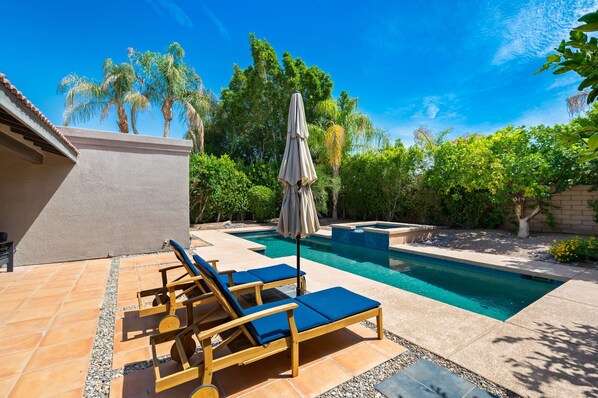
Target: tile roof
{"x":4,"y":81}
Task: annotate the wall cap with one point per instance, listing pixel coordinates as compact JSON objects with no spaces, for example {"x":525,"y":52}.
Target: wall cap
{"x":107,"y":140}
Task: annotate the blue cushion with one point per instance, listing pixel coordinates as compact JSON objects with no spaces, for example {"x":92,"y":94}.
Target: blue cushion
{"x":337,"y":303}
{"x":239,"y":278}
{"x":209,"y":273}
{"x":276,"y":326}
{"x":183,"y":257}
{"x":275,"y":273}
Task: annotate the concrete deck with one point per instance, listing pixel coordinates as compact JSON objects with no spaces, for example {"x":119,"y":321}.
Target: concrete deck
{"x":547,"y":350}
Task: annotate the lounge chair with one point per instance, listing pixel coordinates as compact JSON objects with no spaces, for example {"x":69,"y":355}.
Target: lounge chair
{"x":259,"y":332}
{"x":170,"y":296}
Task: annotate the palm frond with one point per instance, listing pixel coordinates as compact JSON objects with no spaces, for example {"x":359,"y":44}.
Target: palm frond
{"x":335,"y":142}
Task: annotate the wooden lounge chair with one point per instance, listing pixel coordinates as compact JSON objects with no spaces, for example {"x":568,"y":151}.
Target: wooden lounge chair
{"x":171,"y":295}
{"x":259,"y":332}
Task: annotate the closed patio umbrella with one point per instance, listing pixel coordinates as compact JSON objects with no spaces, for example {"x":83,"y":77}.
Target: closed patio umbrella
{"x":298,"y":215}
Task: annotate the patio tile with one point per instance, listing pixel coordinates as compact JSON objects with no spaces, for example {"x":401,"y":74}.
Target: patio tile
{"x":360,"y":358}
{"x":42,"y":301}
{"x":332,"y":343}
{"x":18,"y":343}
{"x":51,"y":355}
{"x":320,"y":377}
{"x":74,"y":393}
{"x":87,"y":294}
{"x":15,"y":328}
{"x":6,"y":385}
{"x":130,"y":357}
{"x":55,"y":291}
{"x":121,"y":345}
{"x":82,"y":305}
{"x":279,"y":389}
{"x":238,"y":380}
{"x":14,"y":363}
{"x":58,"y":379}
{"x":64,"y":319}
{"x":60,"y":333}
{"x":387,"y":347}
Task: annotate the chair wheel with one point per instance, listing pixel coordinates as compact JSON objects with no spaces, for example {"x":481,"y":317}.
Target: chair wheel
{"x":205,"y":391}
{"x":165,"y":299}
{"x":168,"y":323}
{"x":189,"y":345}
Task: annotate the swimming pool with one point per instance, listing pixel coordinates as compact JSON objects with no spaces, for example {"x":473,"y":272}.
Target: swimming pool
{"x":494,"y":293}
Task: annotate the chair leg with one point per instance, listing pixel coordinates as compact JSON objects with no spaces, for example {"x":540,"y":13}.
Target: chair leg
{"x":303,"y":284}
{"x":295,"y":359}
{"x":379,"y":325}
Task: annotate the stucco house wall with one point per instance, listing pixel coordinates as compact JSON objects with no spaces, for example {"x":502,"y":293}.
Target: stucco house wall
{"x":125,"y":194}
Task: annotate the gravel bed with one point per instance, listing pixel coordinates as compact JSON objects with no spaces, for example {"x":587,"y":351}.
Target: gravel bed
{"x":97,"y":383}
{"x":364,"y":384}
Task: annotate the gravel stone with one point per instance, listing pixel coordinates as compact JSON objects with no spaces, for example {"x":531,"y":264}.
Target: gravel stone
{"x":97,"y":383}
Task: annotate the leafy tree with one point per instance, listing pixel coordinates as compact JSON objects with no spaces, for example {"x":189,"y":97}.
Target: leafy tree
{"x":262,"y":203}
{"x":216,"y":188}
{"x":517,"y":165}
{"x":378,"y":184}
{"x":86,"y":98}
{"x":170,"y":83}
{"x":345,"y":130}
{"x":250,"y":122}
{"x":580,"y":55}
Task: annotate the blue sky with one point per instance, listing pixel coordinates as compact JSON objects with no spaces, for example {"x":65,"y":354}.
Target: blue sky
{"x":468,"y":65}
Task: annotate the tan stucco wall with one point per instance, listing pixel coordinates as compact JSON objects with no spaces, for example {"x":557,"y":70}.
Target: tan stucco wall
{"x":572,"y":214}
{"x":125,"y":194}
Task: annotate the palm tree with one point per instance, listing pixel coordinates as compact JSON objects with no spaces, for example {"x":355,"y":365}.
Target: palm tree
{"x":170,"y":83}
{"x":346,"y":131}
{"x":85,"y":98}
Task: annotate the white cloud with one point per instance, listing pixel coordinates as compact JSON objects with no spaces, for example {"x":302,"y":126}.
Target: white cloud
{"x":431,"y":107}
{"x":221,"y":28}
{"x":536,"y":27}
{"x":564,"y":81}
{"x":169,"y":7}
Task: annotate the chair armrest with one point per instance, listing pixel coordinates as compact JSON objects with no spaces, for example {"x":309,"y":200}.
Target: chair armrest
{"x":165,"y":269}
{"x":207,"y":334}
{"x":257,"y":286}
{"x":180,"y":282}
{"x":213,"y":263}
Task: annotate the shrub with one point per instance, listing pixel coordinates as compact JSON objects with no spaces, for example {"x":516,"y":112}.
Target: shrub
{"x":473,"y":209}
{"x":217,"y":188}
{"x":573,"y":250}
{"x":262,"y":203}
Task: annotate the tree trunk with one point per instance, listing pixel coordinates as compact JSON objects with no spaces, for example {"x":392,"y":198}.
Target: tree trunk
{"x":167,"y":113}
{"x":335,"y":173}
{"x":519,"y":202}
{"x":200,"y":136}
{"x":123,"y":123}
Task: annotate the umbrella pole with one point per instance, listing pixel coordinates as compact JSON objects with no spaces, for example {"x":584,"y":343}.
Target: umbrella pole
{"x":298,"y":240}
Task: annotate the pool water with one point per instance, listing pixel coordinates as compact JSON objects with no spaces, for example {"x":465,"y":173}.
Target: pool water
{"x":494,"y":293}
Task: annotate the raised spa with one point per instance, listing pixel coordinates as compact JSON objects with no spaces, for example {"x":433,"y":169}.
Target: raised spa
{"x":380,"y":234}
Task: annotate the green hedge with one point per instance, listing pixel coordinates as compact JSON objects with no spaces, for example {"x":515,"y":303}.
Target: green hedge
{"x":262,"y":203}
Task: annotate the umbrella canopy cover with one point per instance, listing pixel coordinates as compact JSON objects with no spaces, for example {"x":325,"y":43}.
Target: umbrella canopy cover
{"x":298,"y":215}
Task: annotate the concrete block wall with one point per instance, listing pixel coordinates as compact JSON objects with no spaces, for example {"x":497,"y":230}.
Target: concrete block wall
{"x":571,"y":214}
